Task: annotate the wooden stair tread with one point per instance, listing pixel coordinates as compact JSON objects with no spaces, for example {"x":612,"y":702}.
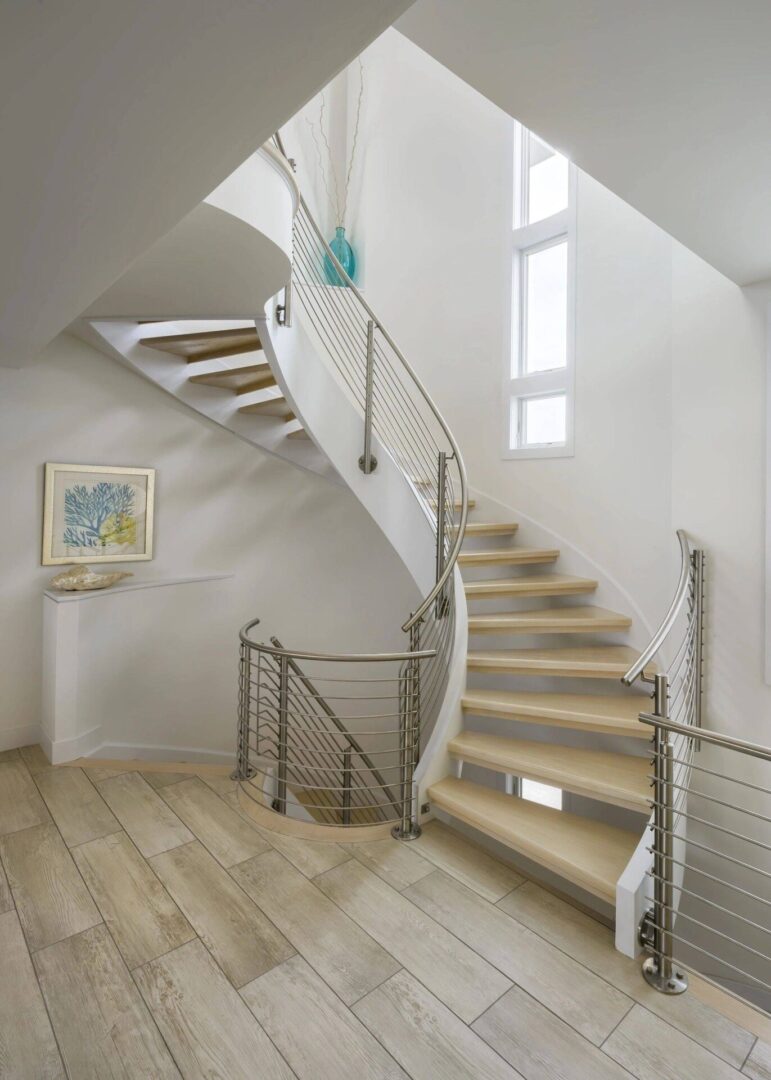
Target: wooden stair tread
{"x":589,"y":853}
{"x":300,"y":433}
{"x":206,"y":344}
{"x":620,"y":779}
{"x":275,"y":406}
{"x":593,"y":662}
{"x":488,"y":528}
{"x":564,"y":620}
{"x":535,"y":585}
{"x":241,"y":380}
{"x":509,"y":556}
{"x":611,"y":713}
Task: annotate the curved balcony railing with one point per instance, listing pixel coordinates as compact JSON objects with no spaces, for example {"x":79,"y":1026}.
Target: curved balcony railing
{"x":399,"y":419}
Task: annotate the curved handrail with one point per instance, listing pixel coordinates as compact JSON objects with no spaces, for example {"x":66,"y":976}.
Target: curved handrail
{"x":669,"y":619}
{"x":424,"y":654}
{"x":452,"y":556}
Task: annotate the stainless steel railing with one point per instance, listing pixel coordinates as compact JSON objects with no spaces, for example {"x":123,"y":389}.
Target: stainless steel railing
{"x":399,"y":419}
{"x":710,"y":884}
{"x":347,"y":755}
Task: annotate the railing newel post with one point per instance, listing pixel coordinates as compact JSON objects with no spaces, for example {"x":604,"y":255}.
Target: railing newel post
{"x":368,"y":461}
{"x":658,"y":969}
{"x":283,"y":732}
{"x":346,"y":808}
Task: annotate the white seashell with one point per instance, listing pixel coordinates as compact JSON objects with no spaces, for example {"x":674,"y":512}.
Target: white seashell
{"x":82,"y":578}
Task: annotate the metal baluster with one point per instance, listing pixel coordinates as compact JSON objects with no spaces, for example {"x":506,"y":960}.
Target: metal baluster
{"x":697,"y":560}
{"x":283,"y":732}
{"x":656,"y":931}
{"x":409,"y":730}
{"x":367,"y":461}
{"x":242,"y":770}
{"x":441,"y":526}
{"x":347,"y":786}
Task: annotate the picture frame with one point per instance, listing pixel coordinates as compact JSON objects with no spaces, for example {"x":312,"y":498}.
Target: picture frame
{"x":97,"y":514}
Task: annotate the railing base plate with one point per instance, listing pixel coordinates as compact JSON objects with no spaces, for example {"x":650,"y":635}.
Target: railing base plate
{"x":236,"y":775}
{"x":413,"y":834}
{"x":677,"y":983}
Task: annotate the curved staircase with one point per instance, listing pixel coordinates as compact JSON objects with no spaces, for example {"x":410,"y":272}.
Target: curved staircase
{"x":308,"y":388}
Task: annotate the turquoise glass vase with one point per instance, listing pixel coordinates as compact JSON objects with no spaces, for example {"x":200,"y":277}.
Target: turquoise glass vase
{"x":343,"y":252}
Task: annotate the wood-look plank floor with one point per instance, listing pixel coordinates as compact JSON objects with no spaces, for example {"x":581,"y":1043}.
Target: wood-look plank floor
{"x":152,"y":930}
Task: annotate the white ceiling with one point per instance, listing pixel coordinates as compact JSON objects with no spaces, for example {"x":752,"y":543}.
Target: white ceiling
{"x":666,"y":102}
{"x":117,"y":118}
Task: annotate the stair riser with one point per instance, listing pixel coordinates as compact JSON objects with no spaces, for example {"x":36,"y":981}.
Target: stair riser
{"x":514,"y":558}
{"x":525,"y":591}
{"x":534,"y":629}
{"x":638,"y":732}
{"x":548,"y":672}
{"x":640,"y":805}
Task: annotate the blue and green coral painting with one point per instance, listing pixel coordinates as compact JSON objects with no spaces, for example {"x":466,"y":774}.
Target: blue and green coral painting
{"x":99,"y":515}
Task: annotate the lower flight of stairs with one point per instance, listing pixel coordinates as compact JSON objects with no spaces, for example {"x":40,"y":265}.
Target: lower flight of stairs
{"x":534,"y":686}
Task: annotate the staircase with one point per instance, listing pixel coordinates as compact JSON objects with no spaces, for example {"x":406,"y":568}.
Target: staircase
{"x":333,"y":741}
{"x":550,"y":612}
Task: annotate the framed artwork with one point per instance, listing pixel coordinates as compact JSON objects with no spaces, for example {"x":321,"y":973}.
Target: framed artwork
{"x":97,"y":513}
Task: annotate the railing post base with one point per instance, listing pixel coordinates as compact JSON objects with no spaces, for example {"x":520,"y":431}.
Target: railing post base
{"x":372,"y":463}
{"x":676,"y":982}
{"x":243,"y":774}
{"x":412,"y":833}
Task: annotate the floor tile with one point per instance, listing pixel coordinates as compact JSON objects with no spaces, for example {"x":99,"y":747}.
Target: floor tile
{"x":392,"y":860}
{"x":27,"y":1045}
{"x":448,"y":968}
{"x":20,"y":804}
{"x":319,"y":1037}
{"x":6,"y":900}
{"x":158,"y":780}
{"x":758,"y":1066}
{"x":143,"y":814}
{"x":34,"y":758}
{"x":592,"y":944}
{"x":237,"y":934}
{"x":349,"y":960}
{"x":585,"y":1001}
{"x":78,"y":809}
{"x":102,"y":1024}
{"x":228,"y":837}
{"x":50,"y":896}
{"x":540,"y":1045}
{"x":426,"y":1038}
{"x":208,"y":1028}
{"x":142,"y":917}
{"x":653,"y":1050}
{"x":466,"y":861}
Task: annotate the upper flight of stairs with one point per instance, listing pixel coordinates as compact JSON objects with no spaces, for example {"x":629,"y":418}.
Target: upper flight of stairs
{"x":553,"y":613}
{"x":247,"y":375}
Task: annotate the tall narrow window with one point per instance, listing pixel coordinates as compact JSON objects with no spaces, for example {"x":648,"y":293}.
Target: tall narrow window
{"x":539,"y":414}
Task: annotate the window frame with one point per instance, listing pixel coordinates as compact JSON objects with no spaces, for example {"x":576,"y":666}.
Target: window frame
{"x":526,"y":239}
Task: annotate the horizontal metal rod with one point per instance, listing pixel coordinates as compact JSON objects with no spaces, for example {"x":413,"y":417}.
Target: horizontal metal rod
{"x":720,"y":881}
{"x":713,"y":930}
{"x":347,"y":658}
{"x":719,"y":802}
{"x":720,"y":776}
{"x":713,"y":903}
{"x":719,"y":828}
{"x":711,"y":955}
{"x":705,"y":735}
{"x":719,"y":854}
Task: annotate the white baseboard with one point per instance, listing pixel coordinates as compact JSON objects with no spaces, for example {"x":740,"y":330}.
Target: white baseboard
{"x":135,"y":751}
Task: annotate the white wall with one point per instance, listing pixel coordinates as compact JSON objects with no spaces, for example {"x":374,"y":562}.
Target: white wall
{"x":306,"y":557}
{"x":669,"y":365}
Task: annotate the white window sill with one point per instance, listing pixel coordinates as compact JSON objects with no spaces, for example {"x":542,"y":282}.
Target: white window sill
{"x":519,"y":452}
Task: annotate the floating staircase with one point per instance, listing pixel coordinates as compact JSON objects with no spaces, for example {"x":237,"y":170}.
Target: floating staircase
{"x":586,"y":851}
{"x":250,"y":374}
